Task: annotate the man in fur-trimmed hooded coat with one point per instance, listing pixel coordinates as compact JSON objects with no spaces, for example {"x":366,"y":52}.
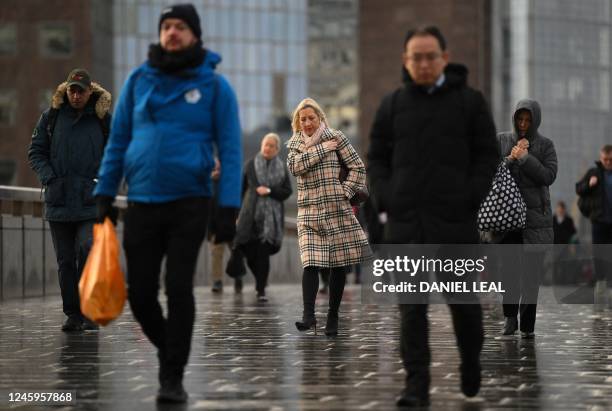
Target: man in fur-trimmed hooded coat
{"x":65,"y":152}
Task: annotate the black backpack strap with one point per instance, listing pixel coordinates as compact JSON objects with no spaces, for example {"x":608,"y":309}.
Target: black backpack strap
{"x":51,"y":120}
{"x":104,"y":126}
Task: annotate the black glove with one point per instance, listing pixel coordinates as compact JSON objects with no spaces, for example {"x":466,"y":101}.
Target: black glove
{"x":104,"y":204}
{"x":225,"y":224}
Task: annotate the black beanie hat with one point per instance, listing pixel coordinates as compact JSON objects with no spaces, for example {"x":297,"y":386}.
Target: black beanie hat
{"x":185,"y":12}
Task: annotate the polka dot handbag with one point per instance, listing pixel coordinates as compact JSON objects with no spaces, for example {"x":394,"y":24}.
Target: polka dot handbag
{"x":503,"y":209}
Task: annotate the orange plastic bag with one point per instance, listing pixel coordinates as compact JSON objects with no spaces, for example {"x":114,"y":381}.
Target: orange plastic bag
{"x":102,"y":285}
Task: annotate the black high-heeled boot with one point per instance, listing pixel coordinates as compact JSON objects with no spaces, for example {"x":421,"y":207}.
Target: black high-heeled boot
{"x":337,"y":280}
{"x":310,"y":286}
{"x":331,"y":326}
{"x":306,"y":324}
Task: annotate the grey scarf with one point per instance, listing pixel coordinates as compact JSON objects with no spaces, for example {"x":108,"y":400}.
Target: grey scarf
{"x":268,"y":211}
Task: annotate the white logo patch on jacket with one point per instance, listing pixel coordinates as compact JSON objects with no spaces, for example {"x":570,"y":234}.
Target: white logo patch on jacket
{"x":193,"y":96}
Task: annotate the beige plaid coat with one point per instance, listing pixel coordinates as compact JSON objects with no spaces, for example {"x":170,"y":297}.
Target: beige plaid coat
{"x":329,"y":235}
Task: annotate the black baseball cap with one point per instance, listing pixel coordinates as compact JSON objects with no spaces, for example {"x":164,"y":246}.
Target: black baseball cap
{"x":79,"y":77}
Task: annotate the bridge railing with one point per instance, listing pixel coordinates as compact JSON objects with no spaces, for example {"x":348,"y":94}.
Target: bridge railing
{"x":28,"y":267}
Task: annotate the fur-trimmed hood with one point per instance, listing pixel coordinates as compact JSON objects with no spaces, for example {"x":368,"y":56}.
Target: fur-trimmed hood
{"x":103,"y":104}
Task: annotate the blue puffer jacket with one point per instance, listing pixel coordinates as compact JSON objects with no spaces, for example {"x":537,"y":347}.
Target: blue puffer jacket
{"x":163,"y":132}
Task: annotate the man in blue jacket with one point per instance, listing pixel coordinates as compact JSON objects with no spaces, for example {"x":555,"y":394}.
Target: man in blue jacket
{"x":173,"y":110}
{"x":66,"y":150}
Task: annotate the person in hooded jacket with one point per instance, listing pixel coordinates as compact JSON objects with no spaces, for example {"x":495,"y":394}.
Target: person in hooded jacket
{"x":172,"y":111}
{"x":532,"y":161}
{"x":431,"y":161}
{"x":65,"y":152}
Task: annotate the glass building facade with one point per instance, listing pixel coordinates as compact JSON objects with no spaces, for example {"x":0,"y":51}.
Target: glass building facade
{"x":333,"y":81}
{"x":263,"y":44}
{"x":558,"y":53}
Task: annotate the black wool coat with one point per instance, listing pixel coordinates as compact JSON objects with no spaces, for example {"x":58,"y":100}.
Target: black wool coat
{"x":431,"y":160}
{"x":280,"y":193}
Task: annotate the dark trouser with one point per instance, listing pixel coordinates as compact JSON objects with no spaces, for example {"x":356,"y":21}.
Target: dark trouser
{"x":414,"y":340}
{"x":325,"y":277}
{"x":258,"y":259}
{"x":175,"y":230}
{"x":310,"y":287}
{"x":72,"y":242}
{"x":522,"y":286}
{"x":602,"y":234}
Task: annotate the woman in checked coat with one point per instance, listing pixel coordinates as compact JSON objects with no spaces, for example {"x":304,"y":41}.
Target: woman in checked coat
{"x":329,"y":235}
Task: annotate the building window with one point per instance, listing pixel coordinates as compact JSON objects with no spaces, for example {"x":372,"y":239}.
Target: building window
{"x":8,"y":108}
{"x":7,"y":172}
{"x":56,"y":39}
{"x":8,"y":39}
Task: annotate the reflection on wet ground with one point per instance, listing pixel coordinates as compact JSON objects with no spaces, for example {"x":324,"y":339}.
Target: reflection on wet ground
{"x":247,"y":355}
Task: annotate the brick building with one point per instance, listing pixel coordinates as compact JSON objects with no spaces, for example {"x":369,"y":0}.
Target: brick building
{"x":40,"y":42}
{"x":382,"y":26}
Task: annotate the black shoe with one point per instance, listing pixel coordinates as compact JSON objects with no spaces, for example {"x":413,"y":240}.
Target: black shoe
{"x":261,"y":297}
{"x":217,"y":287}
{"x":470,"y":378}
{"x":527,"y":335}
{"x":408,"y":398}
{"x":73,"y":324}
{"x":306,"y":324}
{"x":172,"y":391}
{"x":331,"y":326}
{"x":510,"y":326}
{"x":416,"y":392}
{"x":238,"y":285}
{"x":89,"y":325}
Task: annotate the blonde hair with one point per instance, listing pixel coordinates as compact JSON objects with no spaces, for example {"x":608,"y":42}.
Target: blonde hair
{"x":306,"y":103}
{"x":274,"y":137}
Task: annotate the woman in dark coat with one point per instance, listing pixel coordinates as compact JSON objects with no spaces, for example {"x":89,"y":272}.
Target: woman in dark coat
{"x":259,"y":231}
{"x":532,"y":161}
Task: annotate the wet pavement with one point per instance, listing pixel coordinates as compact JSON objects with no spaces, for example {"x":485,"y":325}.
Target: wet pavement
{"x":248,"y":356}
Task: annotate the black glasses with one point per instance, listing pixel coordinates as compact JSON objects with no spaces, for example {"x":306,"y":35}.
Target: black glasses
{"x":429,"y":57}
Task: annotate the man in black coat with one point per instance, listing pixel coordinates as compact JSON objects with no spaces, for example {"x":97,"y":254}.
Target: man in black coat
{"x":431,"y":160}
{"x":595,"y":203}
{"x":563,"y":225}
{"x":564,"y":233}
{"x":66,"y":150}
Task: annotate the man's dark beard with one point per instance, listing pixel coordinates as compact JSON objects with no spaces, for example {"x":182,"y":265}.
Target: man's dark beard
{"x":177,"y":61}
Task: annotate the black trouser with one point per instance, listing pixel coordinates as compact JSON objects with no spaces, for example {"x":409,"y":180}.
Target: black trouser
{"x":522,"y":286}
{"x":414,"y":340}
{"x":310,"y":287}
{"x":258,"y":259}
{"x":174,"y":230}
{"x":601,"y":233}
{"x":72,"y":242}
